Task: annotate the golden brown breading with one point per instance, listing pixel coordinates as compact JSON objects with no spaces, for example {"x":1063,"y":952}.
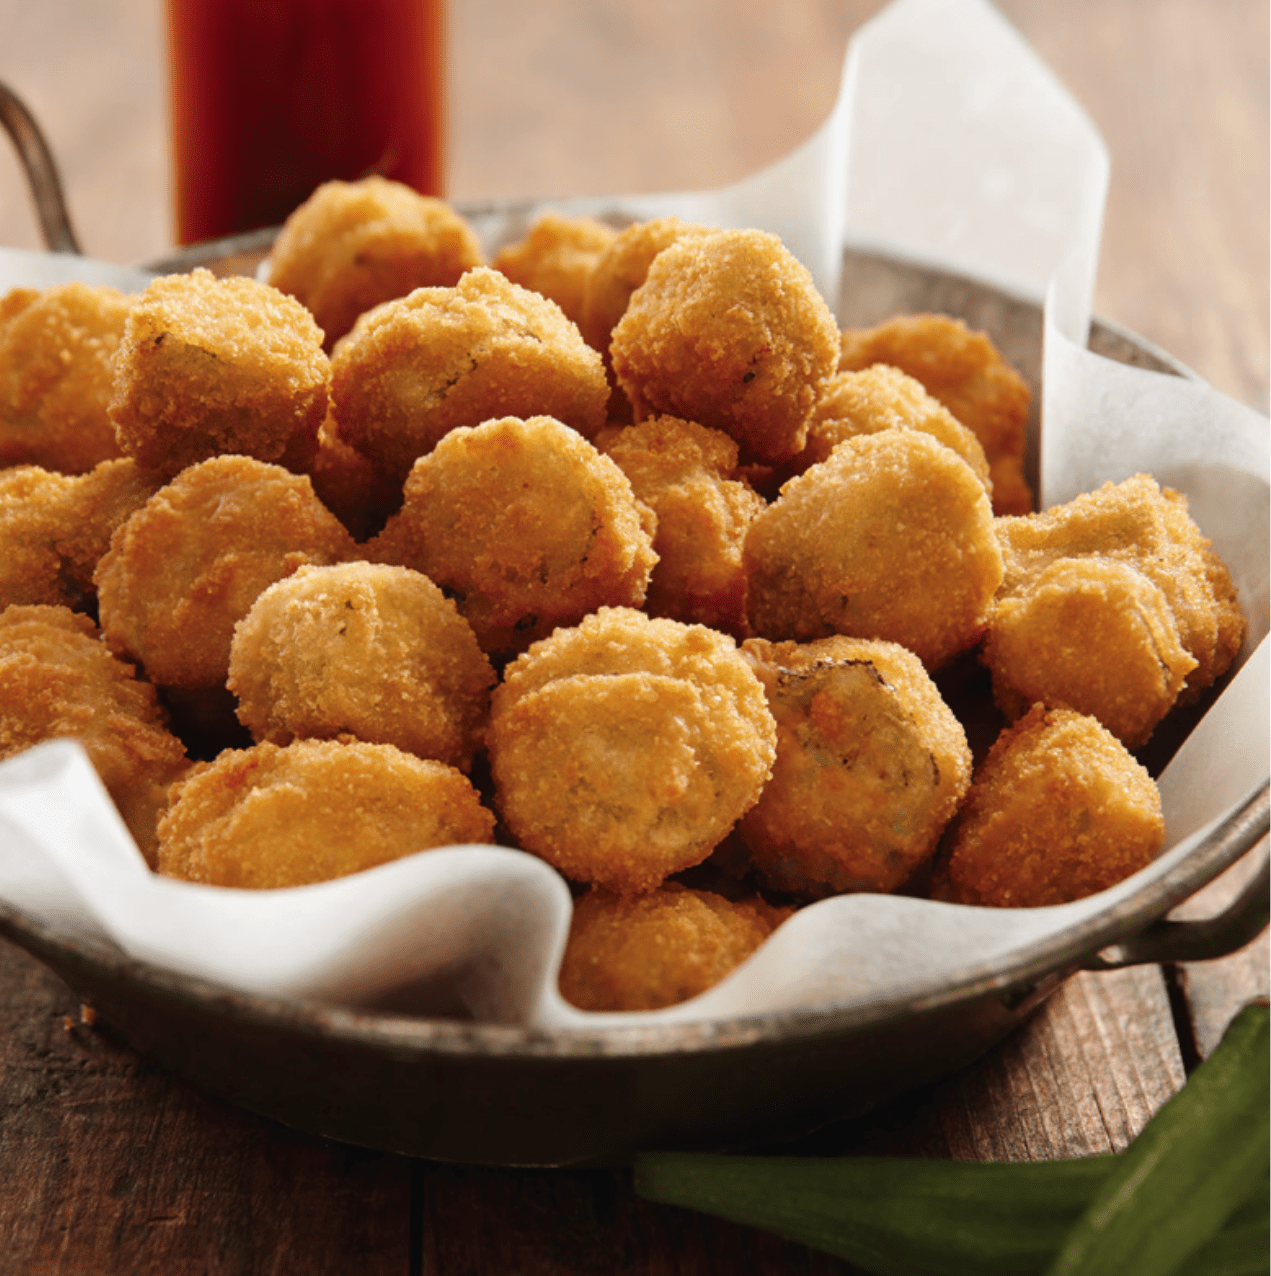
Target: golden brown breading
{"x":622,"y":268}
{"x":965,"y":371}
{"x":1090,"y":634}
{"x":188,"y":565}
{"x":884,"y":398}
{"x":352,"y":245}
{"x":891,"y":537}
{"x":54,"y":528}
{"x":1137,"y":523}
{"x":623,"y":750}
{"x":56,"y":352}
{"x":1057,"y":811}
{"x":414,"y":369}
{"x":525,"y":525}
{"x":212,"y":366}
{"x":659,"y":949}
{"x":357,"y":493}
{"x":728,"y":330}
{"x":556,"y":259}
{"x":57,"y":679}
{"x":686,"y":474}
{"x":365,"y":650}
{"x":871,"y":765}
{"x":269,"y":816}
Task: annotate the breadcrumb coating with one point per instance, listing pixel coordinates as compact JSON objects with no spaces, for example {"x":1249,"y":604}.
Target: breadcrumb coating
{"x":659,"y":949}
{"x":271,"y":816}
{"x":352,"y":245}
{"x":891,"y":537}
{"x":57,"y":348}
{"x":622,"y":268}
{"x":55,"y":528}
{"x":1148,"y":529}
{"x":363,"y":650}
{"x":624,"y":749}
{"x":871,"y":765}
{"x":884,"y":398}
{"x":59,"y":680}
{"x":213,"y":366}
{"x":556,"y":258}
{"x":966,"y":372}
{"x":1094,"y":635}
{"x":686,"y":474}
{"x":728,"y":330}
{"x":525,"y":525}
{"x":1057,"y":811}
{"x":187,"y":566}
{"x":440,"y":359}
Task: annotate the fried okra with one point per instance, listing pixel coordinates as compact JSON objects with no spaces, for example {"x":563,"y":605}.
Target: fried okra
{"x":59,"y":680}
{"x":525,"y":525}
{"x":658,"y":949}
{"x":884,"y":398}
{"x":187,"y":566}
{"x":365,"y":650}
{"x":1115,"y":605}
{"x":556,"y":259}
{"x":414,"y":369}
{"x":55,"y":528}
{"x":352,"y":245}
{"x":57,"y":347}
{"x":625,"y":749}
{"x":212,"y":366}
{"x":891,"y":537}
{"x":871,"y":765}
{"x":728,"y":330}
{"x":1057,"y":811}
{"x":273,"y":816}
{"x":686,"y":474}
{"x":966,"y":372}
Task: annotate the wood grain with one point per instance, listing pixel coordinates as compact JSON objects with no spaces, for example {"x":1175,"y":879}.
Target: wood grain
{"x":109,"y":1166}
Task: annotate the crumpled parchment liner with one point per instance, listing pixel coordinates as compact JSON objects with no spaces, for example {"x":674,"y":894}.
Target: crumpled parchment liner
{"x":1002,"y":177}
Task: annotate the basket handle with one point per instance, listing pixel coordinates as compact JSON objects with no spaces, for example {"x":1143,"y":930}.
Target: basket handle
{"x":41,"y":173}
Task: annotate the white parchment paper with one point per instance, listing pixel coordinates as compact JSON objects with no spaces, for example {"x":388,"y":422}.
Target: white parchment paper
{"x":952,"y":144}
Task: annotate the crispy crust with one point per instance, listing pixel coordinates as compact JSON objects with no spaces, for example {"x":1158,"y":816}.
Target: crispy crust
{"x":891,"y":538}
{"x":659,"y":949}
{"x":685,"y":474}
{"x":352,"y":245}
{"x":57,"y":679}
{"x":556,"y":258}
{"x":183,"y":569}
{"x":966,"y":372}
{"x":1057,"y":811}
{"x":440,"y":359}
{"x":362,"y":650}
{"x":623,"y":750}
{"x":728,"y":330}
{"x":871,"y":765}
{"x":1147,"y":528}
{"x":884,"y":398}
{"x":269,"y":817}
{"x":57,"y":348}
{"x":210,"y":366}
{"x":525,"y":525}
{"x":55,"y":528}
{"x":1094,"y":635}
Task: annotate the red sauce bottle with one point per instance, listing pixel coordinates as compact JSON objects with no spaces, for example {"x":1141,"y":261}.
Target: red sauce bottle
{"x":269,"y":98}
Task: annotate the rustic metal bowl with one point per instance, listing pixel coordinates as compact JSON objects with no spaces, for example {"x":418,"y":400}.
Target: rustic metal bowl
{"x":462,"y":1091}
{"x":455,"y":1090}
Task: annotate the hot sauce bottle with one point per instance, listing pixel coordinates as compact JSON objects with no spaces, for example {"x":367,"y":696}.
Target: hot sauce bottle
{"x":269,"y":98}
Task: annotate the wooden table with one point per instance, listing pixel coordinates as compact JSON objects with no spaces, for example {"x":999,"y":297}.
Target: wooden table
{"x":109,"y":1166}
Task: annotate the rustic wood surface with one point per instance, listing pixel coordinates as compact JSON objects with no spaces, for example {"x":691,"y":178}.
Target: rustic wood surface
{"x":109,"y":1166}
